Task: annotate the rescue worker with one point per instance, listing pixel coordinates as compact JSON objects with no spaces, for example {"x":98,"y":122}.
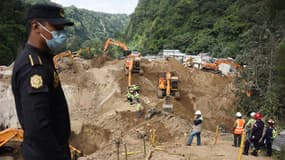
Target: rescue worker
{"x":130,"y":96}
{"x":136,"y":97}
{"x":139,"y":109}
{"x":268,"y":137}
{"x":135,"y":88}
{"x":256,"y":135}
{"x":238,"y":129}
{"x":249,"y":125}
{"x":197,"y":127}
{"x":40,"y":102}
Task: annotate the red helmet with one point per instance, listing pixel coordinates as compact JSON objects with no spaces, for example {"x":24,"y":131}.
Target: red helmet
{"x":257,"y":116}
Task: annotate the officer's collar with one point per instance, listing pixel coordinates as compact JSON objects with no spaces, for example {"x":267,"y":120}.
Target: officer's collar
{"x":42,"y":53}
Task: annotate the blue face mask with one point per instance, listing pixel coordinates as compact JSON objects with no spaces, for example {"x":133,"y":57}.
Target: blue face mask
{"x":58,"y":38}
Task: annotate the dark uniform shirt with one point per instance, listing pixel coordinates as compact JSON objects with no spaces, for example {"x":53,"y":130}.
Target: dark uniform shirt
{"x":268,"y":137}
{"x":257,"y":130}
{"x":41,"y":106}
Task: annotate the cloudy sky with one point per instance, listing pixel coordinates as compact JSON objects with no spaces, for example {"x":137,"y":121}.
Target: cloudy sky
{"x":107,"y":6}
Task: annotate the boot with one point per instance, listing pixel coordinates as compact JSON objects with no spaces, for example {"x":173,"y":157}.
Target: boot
{"x":254,"y":153}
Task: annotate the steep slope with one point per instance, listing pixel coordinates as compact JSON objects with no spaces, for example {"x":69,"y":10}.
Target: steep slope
{"x":223,"y":28}
{"x":92,"y":28}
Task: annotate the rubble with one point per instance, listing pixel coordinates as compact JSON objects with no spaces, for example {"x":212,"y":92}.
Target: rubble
{"x":96,"y":94}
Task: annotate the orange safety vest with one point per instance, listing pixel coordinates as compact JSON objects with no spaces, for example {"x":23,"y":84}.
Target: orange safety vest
{"x":239,"y":126}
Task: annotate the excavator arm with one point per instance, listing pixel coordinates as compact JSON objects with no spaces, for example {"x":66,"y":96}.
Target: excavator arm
{"x":69,"y":54}
{"x":11,"y":134}
{"x":60,"y":56}
{"x":79,"y":52}
{"x":109,"y":42}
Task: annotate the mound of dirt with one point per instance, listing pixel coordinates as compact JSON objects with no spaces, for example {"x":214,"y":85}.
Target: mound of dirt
{"x":100,"y":60}
{"x":90,"y":138}
{"x":96,"y":94}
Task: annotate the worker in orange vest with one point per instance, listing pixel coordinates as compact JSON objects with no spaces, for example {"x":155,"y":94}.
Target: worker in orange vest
{"x":238,"y":129}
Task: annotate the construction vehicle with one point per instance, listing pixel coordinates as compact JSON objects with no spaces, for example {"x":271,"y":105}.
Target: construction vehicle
{"x":109,"y":42}
{"x":12,"y":134}
{"x":79,"y":52}
{"x":214,"y":66}
{"x":133,"y":64}
{"x":59,"y":58}
{"x":168,"y":86}
{"x":133,"y":58}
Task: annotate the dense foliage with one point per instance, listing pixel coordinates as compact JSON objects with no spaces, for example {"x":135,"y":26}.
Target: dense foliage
{"x":12,"y":29}
{"x":91,"y":28}
{"x":251,"y":31}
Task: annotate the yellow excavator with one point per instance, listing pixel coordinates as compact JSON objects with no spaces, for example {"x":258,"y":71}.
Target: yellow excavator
{"x":168,"y":86}
{"x":12,"y":134}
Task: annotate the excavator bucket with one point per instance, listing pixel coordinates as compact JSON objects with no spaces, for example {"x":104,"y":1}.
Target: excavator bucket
{"x":167,"y":105}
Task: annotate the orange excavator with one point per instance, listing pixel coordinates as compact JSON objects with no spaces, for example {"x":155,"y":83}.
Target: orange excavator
{"x":12,"y":134}
{"x":59,"y":58}
{"x":168,"y":86}
{"x":133,"y":58}
{"x":214,"y":67}
{"x":78,"y":53}
{"x":109,"y":42}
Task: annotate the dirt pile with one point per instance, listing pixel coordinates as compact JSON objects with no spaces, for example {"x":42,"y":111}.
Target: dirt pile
{"x":97,"y":98}
{"x":100,"y":114}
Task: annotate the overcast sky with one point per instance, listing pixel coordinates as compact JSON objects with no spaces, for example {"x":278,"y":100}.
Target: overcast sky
{"x":107,"y":6}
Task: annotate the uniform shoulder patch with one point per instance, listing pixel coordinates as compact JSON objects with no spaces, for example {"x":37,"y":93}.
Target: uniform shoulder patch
{"x":35,"y":60}
{"x":36,"y":81}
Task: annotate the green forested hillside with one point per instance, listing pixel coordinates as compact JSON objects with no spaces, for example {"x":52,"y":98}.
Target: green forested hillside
{"x":251,"y":31}
{"x":91,"y":28}
{"x":222,"y":27}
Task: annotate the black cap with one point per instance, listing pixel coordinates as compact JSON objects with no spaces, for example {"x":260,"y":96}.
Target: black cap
{"x":51,"y":13}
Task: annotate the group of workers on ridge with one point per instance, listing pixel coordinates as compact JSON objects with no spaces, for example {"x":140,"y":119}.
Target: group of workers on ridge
{"x":256,"y":135}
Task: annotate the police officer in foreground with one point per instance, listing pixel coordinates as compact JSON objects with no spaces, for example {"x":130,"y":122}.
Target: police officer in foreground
{"x":40,"y":102}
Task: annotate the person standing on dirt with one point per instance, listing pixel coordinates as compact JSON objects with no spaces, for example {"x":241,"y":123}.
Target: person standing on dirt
{"x":238,"y":129}
{"x":268,"y":137}
{"x":249,"y":125}
{"x":139,"y":109}
{"x":196,"y":131}
{"x":256,"y":135}
{"x":40,"y":101}
{"x":130,"y":96}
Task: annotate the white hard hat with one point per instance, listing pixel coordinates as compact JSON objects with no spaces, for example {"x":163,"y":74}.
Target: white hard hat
{"x":198,"y":112}
{"x":238,"y":114}
{"x":252,"y":114}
